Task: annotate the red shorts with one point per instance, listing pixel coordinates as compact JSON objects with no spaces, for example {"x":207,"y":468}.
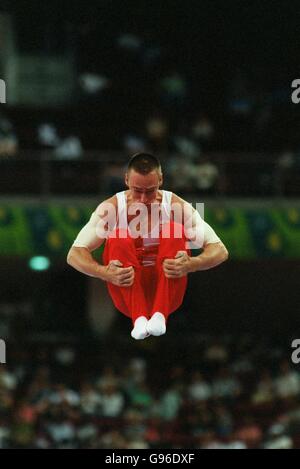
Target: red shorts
{"x":151,"y":291}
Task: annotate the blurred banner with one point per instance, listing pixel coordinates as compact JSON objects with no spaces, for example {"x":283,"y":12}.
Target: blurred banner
{"x":34,"y":80}
{"x":7,"y":48}
{"x":250,"y":232}
{"x":41,"y":81}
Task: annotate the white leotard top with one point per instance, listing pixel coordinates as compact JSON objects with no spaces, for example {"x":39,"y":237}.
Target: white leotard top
{"x":146,"y":247}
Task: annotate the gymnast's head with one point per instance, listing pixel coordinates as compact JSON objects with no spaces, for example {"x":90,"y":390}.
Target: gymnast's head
{"x":144,"y":177}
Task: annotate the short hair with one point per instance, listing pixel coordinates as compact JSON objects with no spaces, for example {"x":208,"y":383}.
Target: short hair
{"x":144,"y":163}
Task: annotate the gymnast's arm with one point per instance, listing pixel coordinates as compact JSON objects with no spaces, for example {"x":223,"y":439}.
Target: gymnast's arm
{"x":91,"y":237}
{"x":213,"y":254}
{"x":80,"y":255}
{"x":202,"y":236}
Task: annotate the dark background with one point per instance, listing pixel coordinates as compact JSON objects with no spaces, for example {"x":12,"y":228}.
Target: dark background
{"x":248,"y":307}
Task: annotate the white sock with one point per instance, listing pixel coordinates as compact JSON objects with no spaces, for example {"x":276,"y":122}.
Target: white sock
{"x":157,"y":324}
{"x":139,"y":331}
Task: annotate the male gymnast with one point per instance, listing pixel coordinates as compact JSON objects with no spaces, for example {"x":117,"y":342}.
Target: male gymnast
{"x":148,"y":234}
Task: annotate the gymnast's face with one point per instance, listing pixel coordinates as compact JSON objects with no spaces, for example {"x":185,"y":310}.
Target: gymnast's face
{"x":143,"y":188}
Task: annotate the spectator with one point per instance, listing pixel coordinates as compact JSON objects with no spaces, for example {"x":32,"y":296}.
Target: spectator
{"x":203,"y":131}
{"x":157,"y":134}
{"x":199,"y":389}
{"x":48,"y":136}
{"x":226,"y":385}
{"x":206,"y":176}
{"x":265,"y":391}
{"x":249,"y":432}
{"x":90,"y":399}
{"x":287,"y":383}
{"x":174,"y":90}
{"x":134,"y":144}
{"x":216,"y":353}
{"x":93,"y":84}
{"x":182,"y":166}
{"x":171,"y":402}
{"x":70,"y":148}
{"x":112,"y":401}
{"x":8,"y":138}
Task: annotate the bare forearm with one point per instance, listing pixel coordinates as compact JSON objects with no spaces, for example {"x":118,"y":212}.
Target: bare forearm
{"x":82,"y":260}
{"x":213,"y":255}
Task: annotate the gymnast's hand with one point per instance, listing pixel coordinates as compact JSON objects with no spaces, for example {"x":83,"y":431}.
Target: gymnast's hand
{"x":177,"y":267}
{"x":118,"y":275}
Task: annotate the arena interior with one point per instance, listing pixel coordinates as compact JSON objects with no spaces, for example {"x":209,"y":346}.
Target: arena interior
{"x":206,"y":87}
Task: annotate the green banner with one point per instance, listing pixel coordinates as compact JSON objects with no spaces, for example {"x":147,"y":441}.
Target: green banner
{"x":49,"y":229}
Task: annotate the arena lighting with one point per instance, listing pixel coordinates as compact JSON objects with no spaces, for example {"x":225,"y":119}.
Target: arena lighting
{"x":39,"y":263}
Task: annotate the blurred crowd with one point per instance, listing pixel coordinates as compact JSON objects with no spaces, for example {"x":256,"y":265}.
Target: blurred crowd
{"x":161,"y":82}
{"x":136,"y":89}
{"x":189,"y":166}
{"x":236,"y":392}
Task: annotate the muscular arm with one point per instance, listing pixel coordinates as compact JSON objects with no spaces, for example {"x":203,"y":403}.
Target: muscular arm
{"x":89,"y":239}
{"x":81,"y":259}
{"x":214,"y":252}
